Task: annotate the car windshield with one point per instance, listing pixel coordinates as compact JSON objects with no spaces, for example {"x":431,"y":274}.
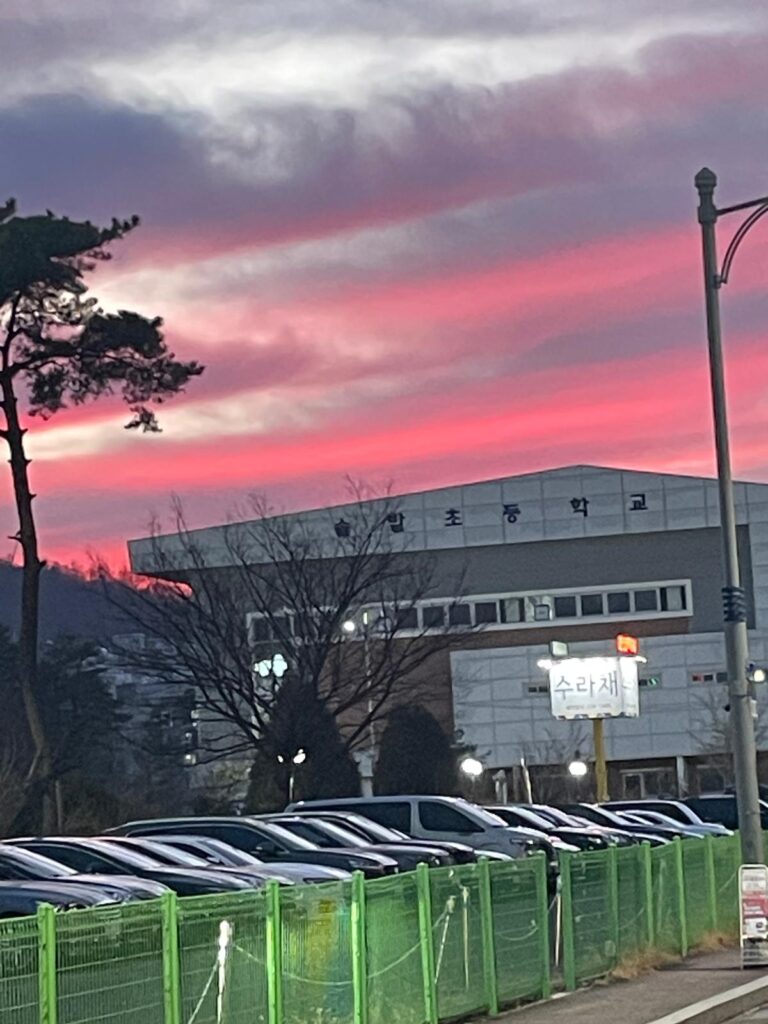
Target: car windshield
{"x":553,"y":815}
{"x":336,"y":831}
{"x":44,"y":867}
{"x":120,"y":855}
{"x":371,"y":830}
{"x":166,"y":853}
{"x":288,"y":839}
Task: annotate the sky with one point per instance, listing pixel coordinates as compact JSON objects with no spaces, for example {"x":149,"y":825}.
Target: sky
{"x":418,"y":242}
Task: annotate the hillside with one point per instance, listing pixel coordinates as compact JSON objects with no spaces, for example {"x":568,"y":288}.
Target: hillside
{"x":68,"y":604}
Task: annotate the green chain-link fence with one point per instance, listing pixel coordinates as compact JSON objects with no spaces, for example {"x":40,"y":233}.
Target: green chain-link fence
{"x":417,"y":948}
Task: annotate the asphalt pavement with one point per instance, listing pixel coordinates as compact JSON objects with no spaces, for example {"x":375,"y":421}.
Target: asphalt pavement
{"x":648,"y":998}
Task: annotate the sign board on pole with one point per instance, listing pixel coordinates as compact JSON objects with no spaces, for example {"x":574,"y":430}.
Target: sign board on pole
{"x":753,"y":914}
{"x":594,"y":688}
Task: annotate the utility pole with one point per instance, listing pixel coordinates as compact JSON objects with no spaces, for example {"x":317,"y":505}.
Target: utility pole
{"x":734,"y":600}
{"x":601,"y":767}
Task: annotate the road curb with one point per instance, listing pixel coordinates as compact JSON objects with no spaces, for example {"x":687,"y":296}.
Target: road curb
{"x":720,"y":1008}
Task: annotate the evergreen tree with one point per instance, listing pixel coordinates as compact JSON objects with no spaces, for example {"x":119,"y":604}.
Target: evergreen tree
{"x":301,"y":722}
{"x":416,"y":755}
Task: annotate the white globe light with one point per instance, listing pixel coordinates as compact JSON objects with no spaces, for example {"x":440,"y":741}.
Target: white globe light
{"x":578,"y":769}
{"x":300,"y":757}
{"x":348,"y":626}
{"x":472,"y":767}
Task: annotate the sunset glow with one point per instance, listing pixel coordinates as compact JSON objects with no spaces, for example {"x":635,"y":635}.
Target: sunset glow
{"x":415,"y":243}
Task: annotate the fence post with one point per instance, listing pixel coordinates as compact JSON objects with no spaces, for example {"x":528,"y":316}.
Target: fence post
{"x":359,"y":950}
{"x":648,"y":888}
{"x":711,"y":881}
{"x":169,"y":915}
{"x":489,"y":939}
{"x":46,"y":963}
{"x":542,"y":915}
{"x":274,"y":954}
{"x":680,"y":880}
{"x":613,"y":897}
{"x":566,"y":926}
{"x":426,"y":940}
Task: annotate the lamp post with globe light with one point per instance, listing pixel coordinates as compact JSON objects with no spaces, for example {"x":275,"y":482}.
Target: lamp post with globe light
{"x":298,"y":758}
{"x":734,"y":597}
{"x":473,"y":769}
{"x":350,"y":628}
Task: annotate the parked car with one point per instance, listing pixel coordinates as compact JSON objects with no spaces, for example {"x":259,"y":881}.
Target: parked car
{"x":170,"y":856}
{"x":721,"y":808}
{"x":678,"y":810}
{"x":18,"y":865}
{"x":670,"y":828}
{"x":430,"y":817}
{"x":90,"y":856}
{"x":656,"y":818}
{"x":366,"y":828}
{"x":267,"y":840}
{"x":602,"y":815}
{"x":524,"y":817}
{"x":618,"y":836}
{"x":332,"y":835}
{"x":20,"y":899}
{"x":217,"y":853}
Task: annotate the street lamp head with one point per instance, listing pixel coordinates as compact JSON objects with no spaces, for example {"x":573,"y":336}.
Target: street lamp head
{"x":300,"y":757}
{"x":578,"y":768}
{"x":348,"y":626}
{"x":472,"y":767}
{"x":705,"y":180}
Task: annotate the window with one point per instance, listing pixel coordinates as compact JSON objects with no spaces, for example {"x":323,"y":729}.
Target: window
{"x":436,"y":817}
{"x":618,"y":602}
{"x":646,"y":601}
{"x":486,"y":611}
{"x":650,"y":682}
{"x":591,"y":604}
{"x":565,"y":607}
{"x":460,"y":615}
{"x":433,"y":616}
{"x":513,"y":609}
{"x":389,"y":813}
{"x":407,"y":618}
{"x":538,"y":688}
{"x":673,"y":599}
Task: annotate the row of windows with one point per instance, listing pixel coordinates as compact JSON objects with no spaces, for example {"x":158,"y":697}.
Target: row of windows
{"x":498,"y":610}
{"x":519,"y":609}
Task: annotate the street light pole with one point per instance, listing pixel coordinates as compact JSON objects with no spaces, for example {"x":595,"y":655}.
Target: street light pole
{"x":734,"y":601}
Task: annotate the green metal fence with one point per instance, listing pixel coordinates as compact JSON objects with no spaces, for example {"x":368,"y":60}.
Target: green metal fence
{"x":417,"y":948}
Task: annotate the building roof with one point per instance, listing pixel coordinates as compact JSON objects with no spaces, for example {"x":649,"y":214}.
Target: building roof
{"x":566,"y":502}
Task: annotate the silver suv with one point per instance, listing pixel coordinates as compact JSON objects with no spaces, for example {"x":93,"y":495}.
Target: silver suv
{"x":431,"y":817}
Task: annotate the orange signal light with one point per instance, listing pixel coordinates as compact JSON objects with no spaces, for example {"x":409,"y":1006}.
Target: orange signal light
{"x":626,"y":644}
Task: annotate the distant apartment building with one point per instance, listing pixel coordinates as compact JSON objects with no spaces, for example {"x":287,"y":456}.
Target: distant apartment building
{"x":577,"y":554}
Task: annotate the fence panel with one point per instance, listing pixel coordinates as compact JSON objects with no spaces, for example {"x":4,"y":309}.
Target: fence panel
{"x":395,"y":983}
{"x":19,"y":994}
{"x":222,"y":968}
{"x":633,"y":905}
{"x":666,"y":899}
{"x":698,"y":910}
{"x":317,"y":953}
{"x":520,"y":925}
{"x":594,"y":941}
{"x":458,"y":940}
{"x":109,"y":965}
{"x":727,"y":855}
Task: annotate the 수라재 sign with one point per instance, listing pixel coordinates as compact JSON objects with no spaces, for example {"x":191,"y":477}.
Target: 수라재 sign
{"x":594,"y":688}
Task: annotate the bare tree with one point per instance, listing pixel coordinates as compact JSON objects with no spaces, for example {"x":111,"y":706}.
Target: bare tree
{"x":327,"y":602}
{"x":712,"y":730}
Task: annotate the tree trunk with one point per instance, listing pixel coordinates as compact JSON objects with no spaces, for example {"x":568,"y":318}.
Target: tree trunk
{"x":30,"y":602}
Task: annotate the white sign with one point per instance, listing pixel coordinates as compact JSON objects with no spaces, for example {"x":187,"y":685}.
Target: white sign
{"x":753,"y":913}
{"x":594,"y":688}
